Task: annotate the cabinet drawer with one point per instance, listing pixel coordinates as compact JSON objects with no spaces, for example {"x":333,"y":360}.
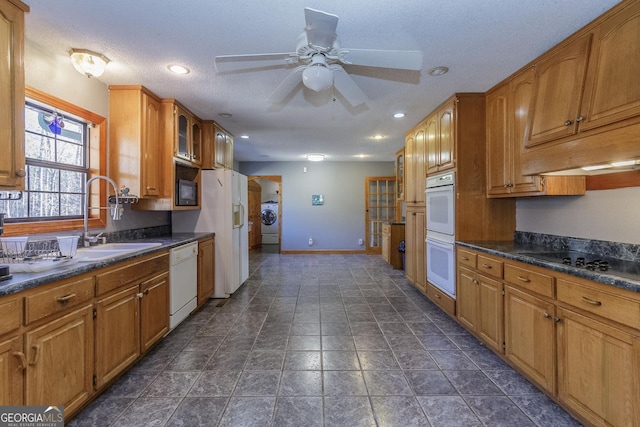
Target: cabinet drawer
{"x":10,"y":314}
{"x":130,"y":271}
{"x":525,"y":278}
{"x":490,"y":266}
{"x":467,"y":258}
{"x":608,"y":305}
{"x":57,"y":298}
{"x":444,"y":301}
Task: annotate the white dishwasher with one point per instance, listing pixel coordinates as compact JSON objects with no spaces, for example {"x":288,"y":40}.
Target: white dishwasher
{"x":183,"y":282}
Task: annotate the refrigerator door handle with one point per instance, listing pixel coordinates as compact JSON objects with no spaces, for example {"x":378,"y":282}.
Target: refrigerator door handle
{"x":241,"y":215}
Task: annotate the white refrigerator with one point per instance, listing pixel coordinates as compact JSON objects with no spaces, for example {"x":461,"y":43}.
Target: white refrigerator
{"x":222,"y":211}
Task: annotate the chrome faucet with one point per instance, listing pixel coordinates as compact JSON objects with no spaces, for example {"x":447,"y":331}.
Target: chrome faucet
{"x":86,"y":238}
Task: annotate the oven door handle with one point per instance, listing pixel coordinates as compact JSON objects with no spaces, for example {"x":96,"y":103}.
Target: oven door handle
{"x":440,"y":244}
{"x":439,"y":189}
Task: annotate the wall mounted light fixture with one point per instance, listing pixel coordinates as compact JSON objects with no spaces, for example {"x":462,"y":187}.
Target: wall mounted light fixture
{"x":89,"y":63}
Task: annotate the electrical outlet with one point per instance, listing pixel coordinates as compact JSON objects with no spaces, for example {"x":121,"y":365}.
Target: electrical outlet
{"x":310,"y":241}
{"x":360,"y":242}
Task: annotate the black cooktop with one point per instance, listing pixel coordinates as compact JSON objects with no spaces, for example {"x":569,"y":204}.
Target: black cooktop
{"x":592,"y":262}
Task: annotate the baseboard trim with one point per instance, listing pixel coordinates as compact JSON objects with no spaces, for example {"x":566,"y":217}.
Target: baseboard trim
{"x":323,"y":252}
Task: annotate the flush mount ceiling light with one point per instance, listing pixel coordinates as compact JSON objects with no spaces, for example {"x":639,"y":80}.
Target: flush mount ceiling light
{"x":378,"y":136}
{"x":178,"y":69}
{"x":315,"y":157}
{"x":244,"y":136}
{"x":89,"y":63}
{"x":438,"y":71}
{"x":399,"y":115}
{"x":225,"y":115}
{"x":317,"y":76}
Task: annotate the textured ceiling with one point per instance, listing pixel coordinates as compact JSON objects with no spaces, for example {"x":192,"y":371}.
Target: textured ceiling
{"x":481,"y":42}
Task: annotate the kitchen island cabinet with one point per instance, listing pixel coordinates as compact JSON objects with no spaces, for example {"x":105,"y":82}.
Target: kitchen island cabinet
{"x":12,"y":161}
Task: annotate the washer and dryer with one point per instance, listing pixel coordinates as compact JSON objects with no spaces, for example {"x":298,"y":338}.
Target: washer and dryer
{"x":269,"y":219}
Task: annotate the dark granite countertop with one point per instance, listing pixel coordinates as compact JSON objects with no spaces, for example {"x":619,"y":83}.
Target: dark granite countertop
{"x":23,"y":281}
{"x":622,"y":273}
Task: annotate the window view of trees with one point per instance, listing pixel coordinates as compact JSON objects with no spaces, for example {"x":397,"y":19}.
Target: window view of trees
{"x":56,"y":157}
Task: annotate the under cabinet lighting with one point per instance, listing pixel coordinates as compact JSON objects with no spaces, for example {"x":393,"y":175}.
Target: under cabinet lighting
{"x":595,"y":168}
{"x":625,"y":163}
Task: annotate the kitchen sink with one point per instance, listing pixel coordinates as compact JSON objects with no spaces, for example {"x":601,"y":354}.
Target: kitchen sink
{"x":110,"y":250}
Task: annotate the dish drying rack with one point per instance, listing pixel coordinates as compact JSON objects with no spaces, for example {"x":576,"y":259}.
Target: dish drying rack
{"x":24,"y":254}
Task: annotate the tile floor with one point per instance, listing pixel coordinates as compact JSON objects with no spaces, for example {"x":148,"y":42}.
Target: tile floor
{"x":322,"y":340}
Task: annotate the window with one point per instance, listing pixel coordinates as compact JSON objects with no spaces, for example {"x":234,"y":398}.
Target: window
{"x":64,"y":146}
{"x":56,"y":165}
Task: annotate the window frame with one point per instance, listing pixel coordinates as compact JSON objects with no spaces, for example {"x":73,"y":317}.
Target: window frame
{"x":97,"y":147}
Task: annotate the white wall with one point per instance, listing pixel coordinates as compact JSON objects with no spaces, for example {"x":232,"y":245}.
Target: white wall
{"x":56,"y":76}
{"x":339,"y":223}
{"x":611,"y":215}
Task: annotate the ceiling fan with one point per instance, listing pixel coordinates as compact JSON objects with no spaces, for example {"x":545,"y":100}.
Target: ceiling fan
{"x":320,"y":56}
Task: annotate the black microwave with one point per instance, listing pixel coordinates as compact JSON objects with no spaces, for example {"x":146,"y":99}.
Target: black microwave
{"x":186,"y":193}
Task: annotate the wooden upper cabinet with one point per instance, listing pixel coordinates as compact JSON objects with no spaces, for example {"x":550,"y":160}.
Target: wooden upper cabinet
{"x":498,"y":143}
{"x":410,"y":173}
{"x":185,"y":131}
{"x":399,"y":167}
{"x":217,"y":146}
{"x":135,"y":140}
{"x":612,"y":86}
{"x":557,"y":93}
{"x":440,"y":138}
{"x":12,"y":161}
{"x":414,"y":162}
{"x":196,"y":141}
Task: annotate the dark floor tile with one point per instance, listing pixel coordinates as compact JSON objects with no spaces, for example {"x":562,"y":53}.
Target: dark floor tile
{"x":271,"y":342}
{"x":305,"y":329}
{"x":248,"y":412}
{"x":343,"y":383}
{"x":543,"y":411}
{"x":377,"y":360}
{"x":370,"y":342}
{"x":102,"y":411}
{"x":404,"y":342}
{"x":132,"y":383}
{"x":189,"y":361}
{"x":395,"y":329}
{"x":511,"y":382}
{"x":448,"y":411}
{"x":198,"y":412}
{"x":258,"y":383}
{"x":214,"y":383}
{"x":265,"y":360}
{"x":298,"y":411}
{"x":365,"y":328}
{"x":340,"y":361}
{"x":233,"y":360}
{"x":348,"y":411}
{"x":452,"y":360}
{"x":498,"y":411}
{"x":301,"y":383}
{"x":386,"y":383}
{"x":204,"y":343}
{"x":486,"y":359}
{"x":437,"y":342}
{"x":303,"y":360}
{"x":335,"y":328}
{"x":304,"y":342}
{"x":415,"y":359}
{"x":432,"y":382}
{"x":148,"y":412}
{"x":398,"y":411}
{"x":472,"y":383}
{"x":171,"y":384}
{"x":333,"y":342}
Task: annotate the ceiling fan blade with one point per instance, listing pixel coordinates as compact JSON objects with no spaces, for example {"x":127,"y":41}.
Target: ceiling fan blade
{"x":288,"y":84}
{"x":399,"y":59}
{"x":239,"y":62}
{"x":321,"y":28}
{"x":343,"y":82}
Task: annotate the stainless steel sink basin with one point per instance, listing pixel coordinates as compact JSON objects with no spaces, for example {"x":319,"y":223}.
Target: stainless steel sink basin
{"x":110,"y":250}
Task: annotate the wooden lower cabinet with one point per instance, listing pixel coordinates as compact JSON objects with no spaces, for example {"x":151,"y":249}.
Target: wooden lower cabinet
{"x":12,"y":366}
{"x":415,"y":255}
{"x":479,"y":306}
{"x":60,"y":356}
{"x":529,"y":336}
{"x":154,"y":310}
{"x":117,"y":333}
{"x":206,"y":270}
{"x":598,"y":370}
{"x":392,"y":235}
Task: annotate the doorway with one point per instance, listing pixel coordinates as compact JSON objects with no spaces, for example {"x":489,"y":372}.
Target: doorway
{"x":380,"y":207}
{"x":265,"y":212}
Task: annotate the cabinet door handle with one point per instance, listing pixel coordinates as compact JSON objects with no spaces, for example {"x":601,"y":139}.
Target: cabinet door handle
{"x":546,"y":315}
{"x":474,"y":281}
{"x":524,"y":279}
{"x":591,"y":301}
{"x":151,"y":188}
{"x":23,"y":359}
{"x":65,"y":298}
{"x":437,"y":296}
{"x":464,"y":258}
{"x":579,"y":119}
{"x":568,"y":122}
{"x":146,"y":292}
{"x":556,"y":319}
{"x":21,"y":173}
{"x":140,"y":295}
{"x":487,"y":266}
{"x":36,"y":354}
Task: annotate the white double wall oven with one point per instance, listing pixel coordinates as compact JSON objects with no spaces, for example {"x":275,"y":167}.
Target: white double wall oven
{"x":441,"y":214}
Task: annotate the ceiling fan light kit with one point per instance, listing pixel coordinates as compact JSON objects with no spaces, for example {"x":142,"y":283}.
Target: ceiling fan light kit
{"x":320,"y":58}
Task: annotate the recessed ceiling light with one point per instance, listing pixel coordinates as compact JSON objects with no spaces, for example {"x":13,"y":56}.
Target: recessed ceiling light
{"x":438,"y":71}
{"x":399,"y":115}
{"x":178,"y":69}
{"x":225,"y":115}
{"x":315,"y":157}
{"x":378,"y":136}
{"x":244,"y":136}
